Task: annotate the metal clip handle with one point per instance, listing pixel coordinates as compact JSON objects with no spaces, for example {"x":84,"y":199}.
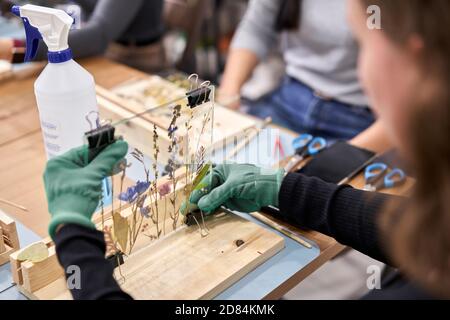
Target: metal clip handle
{"x":198,"y":96}
{"x":98,"y":139}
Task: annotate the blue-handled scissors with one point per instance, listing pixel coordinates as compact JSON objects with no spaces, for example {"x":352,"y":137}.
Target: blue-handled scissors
{"x":378,"y":177}
{"x":305,"y":146}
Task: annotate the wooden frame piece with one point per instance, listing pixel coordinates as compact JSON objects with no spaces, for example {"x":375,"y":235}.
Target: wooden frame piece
{"x":30,"y":277}
{"x":9,"y":240}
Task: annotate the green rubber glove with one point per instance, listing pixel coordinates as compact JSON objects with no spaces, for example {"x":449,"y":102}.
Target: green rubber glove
{"x":74,"y":187}
{"x":239,"y":187}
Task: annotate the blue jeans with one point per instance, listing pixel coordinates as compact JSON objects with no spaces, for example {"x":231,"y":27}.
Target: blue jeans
{"x":295,"y":106}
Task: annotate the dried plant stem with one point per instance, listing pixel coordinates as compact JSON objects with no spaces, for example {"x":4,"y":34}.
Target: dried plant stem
{"x":133,"y":227}
{"x":173,"y":199}
{"x":155,"y":197}
{"x":112,"y":194}
{"x":173,"y":152}
{"x":122,"y":178}
{"x":102,"y":213}
{"x":155,"y":184}
{"x":165,"y":214}
{"x":136,"y":234}
{"x":203,"y":221}
{"x":120,"y":269}
{"x":137,"y":221}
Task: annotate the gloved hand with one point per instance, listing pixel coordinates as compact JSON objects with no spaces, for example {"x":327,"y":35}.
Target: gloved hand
{"x":74,"y":186}
{"x":240,"y":187}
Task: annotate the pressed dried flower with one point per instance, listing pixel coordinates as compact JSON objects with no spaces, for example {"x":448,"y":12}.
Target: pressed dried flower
{"x":129,"y":196}
{"x":141,"y":187}
{"x":164,"y":189}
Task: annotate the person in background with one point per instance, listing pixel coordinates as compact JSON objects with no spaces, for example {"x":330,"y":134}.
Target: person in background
{"x":405,"y":70}
{"x":129,"y":32}
{"x":320,"y":93}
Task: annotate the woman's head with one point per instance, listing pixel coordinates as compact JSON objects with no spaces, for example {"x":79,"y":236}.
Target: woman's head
{"x":405,"y":70}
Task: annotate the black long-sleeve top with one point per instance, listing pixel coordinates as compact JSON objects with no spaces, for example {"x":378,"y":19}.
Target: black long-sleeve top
{"x":83,"y":247}
{"x":351,"y":217}
{"x":346,"y":214}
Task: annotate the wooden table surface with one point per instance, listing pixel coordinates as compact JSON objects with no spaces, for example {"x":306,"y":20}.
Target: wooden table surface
{"x":23,"y":160}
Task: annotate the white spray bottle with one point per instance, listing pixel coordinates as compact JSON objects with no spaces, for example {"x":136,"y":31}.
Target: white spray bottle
{"x":65,"y":91}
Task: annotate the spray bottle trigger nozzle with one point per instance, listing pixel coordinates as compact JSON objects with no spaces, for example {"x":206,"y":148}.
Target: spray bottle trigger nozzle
{"x":15,"y":10}
{"x":32,"y":35}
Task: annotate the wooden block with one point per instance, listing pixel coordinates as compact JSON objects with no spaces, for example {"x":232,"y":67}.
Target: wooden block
{"x":57,"y":290}
{"x":32,"y":270}
{"x":9,"y":230}
{"x":16,"y":271}
{"x":41,"y":281}
{"x":38,"y":275}
{"x":4,"y":256}
{"x":9,"y":241}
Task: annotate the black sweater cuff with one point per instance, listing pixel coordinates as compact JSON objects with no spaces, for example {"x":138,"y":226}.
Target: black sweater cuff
{"x":346,"y":214}
{"x":85,"y":248}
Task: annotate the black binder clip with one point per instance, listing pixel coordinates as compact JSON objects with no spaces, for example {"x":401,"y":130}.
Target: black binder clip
{"x":192,"y":218}
{"x":99,"y":138}
{"x":116,"y":259}
{"x":198,"y":96}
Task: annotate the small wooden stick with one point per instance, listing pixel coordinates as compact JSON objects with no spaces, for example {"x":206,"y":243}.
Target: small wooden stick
{"x":12,"y":204}
{"x":249,"y":138}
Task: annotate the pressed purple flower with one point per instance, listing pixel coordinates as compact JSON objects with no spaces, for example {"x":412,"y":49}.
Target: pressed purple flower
{"x":164,"y":189}
{"x":130,"y":195}
{"x":145,"y":211}
{"x":142,"y":186}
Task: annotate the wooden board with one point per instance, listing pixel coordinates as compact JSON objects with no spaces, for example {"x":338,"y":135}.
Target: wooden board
{"x":9,"y":240}
{"x":183,"y":265}
{"x":186,"y":266}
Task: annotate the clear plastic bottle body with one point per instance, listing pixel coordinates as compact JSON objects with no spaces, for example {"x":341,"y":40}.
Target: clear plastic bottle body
{"x":65,"y":94}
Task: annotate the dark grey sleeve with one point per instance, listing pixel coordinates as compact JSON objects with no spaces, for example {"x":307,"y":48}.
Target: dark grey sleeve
{"x":108,"y":21}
